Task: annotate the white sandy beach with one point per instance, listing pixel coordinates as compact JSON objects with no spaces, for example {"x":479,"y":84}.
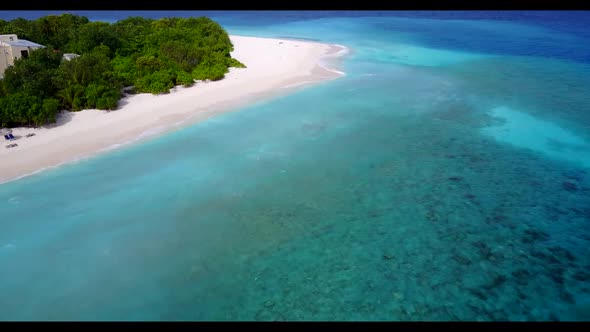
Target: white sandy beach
{"x":274,"y":67}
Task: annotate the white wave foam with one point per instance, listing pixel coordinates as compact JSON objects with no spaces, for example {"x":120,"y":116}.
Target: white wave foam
{"x":342,"y":52}
{"x":332,"y":70}
{"x":29,"y":174}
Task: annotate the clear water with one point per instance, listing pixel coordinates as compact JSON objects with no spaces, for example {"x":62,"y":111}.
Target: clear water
{"x":444,"y":178}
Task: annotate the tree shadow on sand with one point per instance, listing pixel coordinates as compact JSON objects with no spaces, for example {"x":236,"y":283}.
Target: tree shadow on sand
{"x":62,"y":118}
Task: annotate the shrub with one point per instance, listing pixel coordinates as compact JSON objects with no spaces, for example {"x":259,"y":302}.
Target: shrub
{"x":235,"y":63}
{"x":108,"y":101}
{"x":157,"y":82}
{"x":48,"y":112}
{"x":184,"y":78}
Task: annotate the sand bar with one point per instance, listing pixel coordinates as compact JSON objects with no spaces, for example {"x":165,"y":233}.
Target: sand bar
{"x":274,"y":67}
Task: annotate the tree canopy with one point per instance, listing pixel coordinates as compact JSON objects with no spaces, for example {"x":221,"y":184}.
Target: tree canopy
{"x":151,"y":55}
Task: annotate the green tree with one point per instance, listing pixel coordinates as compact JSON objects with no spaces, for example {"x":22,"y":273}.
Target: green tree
{"x":70,"y":96}
{"x":47,"y":113}
{"x":20,"y":108}
{"x":25,"y":29}
{"x":34,"y":75}
{"x":132,"y":33}
{"x":157,"y":82}
{"x":92,"y":35}
{"x":108,"y":101}
{"x":58,"y":30}
{"x":3,"y":91}
{"x":148,"y":64}
{"x":124,"y":69}
{"x":85,"y":69}
{"x":184,"y":78}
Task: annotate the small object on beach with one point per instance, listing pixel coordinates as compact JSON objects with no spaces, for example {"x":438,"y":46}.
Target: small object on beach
{"x":30,"y":135}
{"x":11,"y":145}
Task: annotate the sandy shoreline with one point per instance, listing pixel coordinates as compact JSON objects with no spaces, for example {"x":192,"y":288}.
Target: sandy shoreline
{"x":274,"y":67}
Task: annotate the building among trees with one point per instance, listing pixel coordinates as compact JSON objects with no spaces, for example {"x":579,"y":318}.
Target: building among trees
{"x":12,"y":48}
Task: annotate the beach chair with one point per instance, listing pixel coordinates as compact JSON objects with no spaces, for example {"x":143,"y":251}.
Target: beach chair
{"x":11,"y":136}
{"x":7,"y":137}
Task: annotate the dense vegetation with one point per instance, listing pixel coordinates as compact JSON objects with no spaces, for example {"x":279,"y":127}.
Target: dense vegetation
{"x":151,"y":55}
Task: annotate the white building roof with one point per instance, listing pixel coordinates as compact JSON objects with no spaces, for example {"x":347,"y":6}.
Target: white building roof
{"x":13,"y":40}
{"x":21,"y":43}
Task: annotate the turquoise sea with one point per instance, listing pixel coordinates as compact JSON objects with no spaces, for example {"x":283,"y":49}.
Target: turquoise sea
{"x":445,"y":177}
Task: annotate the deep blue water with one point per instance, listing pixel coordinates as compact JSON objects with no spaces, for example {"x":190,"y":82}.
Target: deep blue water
{"x":445,"y":177}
